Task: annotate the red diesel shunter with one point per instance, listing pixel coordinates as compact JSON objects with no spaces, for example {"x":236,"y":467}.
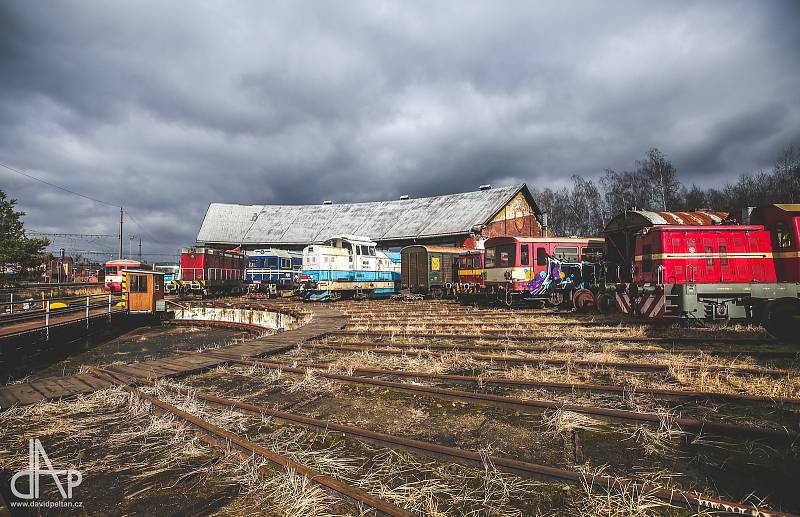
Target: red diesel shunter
{"x":209,"y":272}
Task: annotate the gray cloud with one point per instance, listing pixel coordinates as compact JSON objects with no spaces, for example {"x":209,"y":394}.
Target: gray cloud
{"x":167,"y":107}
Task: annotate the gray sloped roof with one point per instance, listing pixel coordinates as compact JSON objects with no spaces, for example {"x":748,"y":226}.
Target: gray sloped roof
{"x":451,"y":214}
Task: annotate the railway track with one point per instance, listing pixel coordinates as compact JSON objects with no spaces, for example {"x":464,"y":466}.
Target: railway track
{"x":534,"y":406}
{"x":222,"y":439}
{"x":547,"y":338}
{"x":481,"y":380}
{"x":473,"y":458}
{"x":586,"y":363}
{"x":769,"y":354}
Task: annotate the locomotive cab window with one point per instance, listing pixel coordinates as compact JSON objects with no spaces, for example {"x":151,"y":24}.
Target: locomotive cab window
{"x":524,"y":254}
{"x":506,"y":255}
{"x":489,"y":257}
{"x":541,"y":256}
{"x":272,"y":262}
{"x":566,"y":253}
{"x":286,"y":263}
{"x":647,"y":258}
{"x":592,"y":254}
{"x":253,"y":263}
{"x":782,"y":235}
{"x":709,"y":256}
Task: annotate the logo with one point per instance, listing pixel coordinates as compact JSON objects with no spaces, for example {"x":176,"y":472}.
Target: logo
{"x":40,"y":465}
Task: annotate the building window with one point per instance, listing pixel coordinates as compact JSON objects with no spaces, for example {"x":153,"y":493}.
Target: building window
{"x":138,"y":283}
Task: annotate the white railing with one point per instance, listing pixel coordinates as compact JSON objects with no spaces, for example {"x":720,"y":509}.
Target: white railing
{"x":198,"y":273}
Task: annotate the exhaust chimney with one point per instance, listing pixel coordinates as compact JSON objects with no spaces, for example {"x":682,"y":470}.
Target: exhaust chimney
{"x":485,"y":187}
{"x":403,"y":197}
{"x":746,"y":213}
{"x":544,"y":224}
{"x":327,"y":202}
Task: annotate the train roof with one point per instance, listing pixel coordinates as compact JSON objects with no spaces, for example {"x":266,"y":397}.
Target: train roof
{"x":275,"y":252}
{"x":436,"y":249}
{"x":557,"y":240}
{"x":636,"y":219}
{"x":122,"y":262}
{"x":397,"y":220}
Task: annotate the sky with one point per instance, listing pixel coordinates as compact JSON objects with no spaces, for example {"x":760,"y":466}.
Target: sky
{"x":165,"y":107}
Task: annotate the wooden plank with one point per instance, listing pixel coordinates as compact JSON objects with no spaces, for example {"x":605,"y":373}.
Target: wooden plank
{"x":73,"y":385}
{"x":24,"y":394}
{"x":134,"y":374}
{"x":6,"y":400}
{"x":92,"y":381}
{"x":48,"y":388}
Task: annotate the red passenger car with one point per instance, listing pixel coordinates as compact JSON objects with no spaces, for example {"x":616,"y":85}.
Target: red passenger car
{"x":519,"y":269}
{"x":210,"y":272}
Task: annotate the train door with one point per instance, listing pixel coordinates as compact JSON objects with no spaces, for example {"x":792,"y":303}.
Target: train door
{"x":435,"y":267}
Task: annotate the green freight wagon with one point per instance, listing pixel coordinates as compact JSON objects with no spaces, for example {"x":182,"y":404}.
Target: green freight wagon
{"x":429,"y":270}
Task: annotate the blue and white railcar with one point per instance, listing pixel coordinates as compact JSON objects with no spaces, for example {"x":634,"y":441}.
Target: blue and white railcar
{"x":349,"y":267}
{"x":273,"y":269}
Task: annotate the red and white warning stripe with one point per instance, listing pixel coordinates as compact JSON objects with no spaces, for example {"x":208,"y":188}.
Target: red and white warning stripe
{"x":623,"y":302}
{"x":652,"y":305}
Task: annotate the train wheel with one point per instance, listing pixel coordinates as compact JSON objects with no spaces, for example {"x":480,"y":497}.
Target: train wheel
{"x":605,"y":303}
{"x":782,"y":319}
{"x":583,"y":299}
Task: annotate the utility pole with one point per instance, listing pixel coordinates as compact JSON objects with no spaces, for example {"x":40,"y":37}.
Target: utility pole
{"x":130,"y":246}
{"x":120,"y":233}
{"x":140,"y":248}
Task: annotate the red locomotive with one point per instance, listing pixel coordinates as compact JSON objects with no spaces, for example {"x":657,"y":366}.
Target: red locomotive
{"x":707,"y":269}
{"x":211,"y":272}
{"x":471,"y":275}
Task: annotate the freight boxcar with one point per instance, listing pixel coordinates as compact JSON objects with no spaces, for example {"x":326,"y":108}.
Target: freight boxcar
{"x":210,"y":272}
{"x":429,"y":270}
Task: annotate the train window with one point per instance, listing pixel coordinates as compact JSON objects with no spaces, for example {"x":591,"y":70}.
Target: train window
{"x":506,"y":255}
{"x":111,"y":270}
{"x":647,"y":258}
{"x":566,"y":253}
{"x":709,"y":256}
{"x":524,"y":254}
{"x":253,"y":263}
{"x":286,"y":263}
{"x":541,"y":256}
{"x":272,"y":262}
{"x":489,"y":257}
{"x":723,"y":255}
{"x":782,"y":235}
{"x":592,"y":254}
{"x":371,"y":251}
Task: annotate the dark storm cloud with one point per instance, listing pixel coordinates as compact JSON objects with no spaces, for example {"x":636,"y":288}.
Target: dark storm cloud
{"x":167,"y":107}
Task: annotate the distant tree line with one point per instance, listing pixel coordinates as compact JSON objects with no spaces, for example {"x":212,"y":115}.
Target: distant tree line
{"x":18,"y":253}
{"x":584,"y":207}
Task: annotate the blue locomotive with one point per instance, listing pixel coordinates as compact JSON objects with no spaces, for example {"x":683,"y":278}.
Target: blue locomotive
{"x":273,"y":270}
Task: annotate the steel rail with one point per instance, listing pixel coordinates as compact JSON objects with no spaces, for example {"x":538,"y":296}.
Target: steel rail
{"x":561,"y":337}
{"x":567,"y":386}
{"x":473,"y":458}
{"x":534,"y":406}
{"x":576,"y":349}
{"x":287,"y":464}
{"x":507,"y":359}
